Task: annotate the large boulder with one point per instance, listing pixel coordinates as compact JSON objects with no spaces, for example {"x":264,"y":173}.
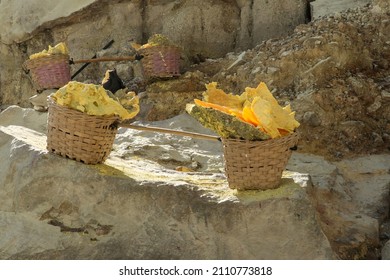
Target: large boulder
{"x":174,"y":187}
{"x":133,"y":207}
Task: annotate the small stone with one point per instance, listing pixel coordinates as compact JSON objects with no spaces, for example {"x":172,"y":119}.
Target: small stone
{"x":40,"y":108}
{"x":385,"y":94}
{"x":377,"y":139}
{"x":312,"y":119}
{"x":386,"y":251}
{"x":39,"y":101}
{"x":240,"y":60}
{"x":183,"y":169}
{"x":272,"y":70}
{"x":375,"y":106}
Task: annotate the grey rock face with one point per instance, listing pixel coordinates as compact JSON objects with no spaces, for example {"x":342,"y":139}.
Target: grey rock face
{"x":132,"y":207}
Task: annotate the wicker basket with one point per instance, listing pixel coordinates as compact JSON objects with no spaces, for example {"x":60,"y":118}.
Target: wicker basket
{"x":49,"y":72}
{"x":161,"y":61}
{"x":257,"y":165}
{"x":79,"y":136}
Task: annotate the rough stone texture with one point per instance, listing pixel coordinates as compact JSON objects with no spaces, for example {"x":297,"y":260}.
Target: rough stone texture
{"x":343,"y":194}
{"x":371,"y":191}
{"x":334,"y":71}
{"x":321,"y":8}
{"x":164,"y":177}
{"x":192,"y":23}
{"x":386,"y":251}
{"x":275,"y":17}
{"x":134,"y":208}
{"x":19,"y":19}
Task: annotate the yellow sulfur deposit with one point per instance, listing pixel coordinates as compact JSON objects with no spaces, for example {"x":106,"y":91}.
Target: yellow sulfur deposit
{"x":256,"y":106}
{"x":94,"y":100}
{"x":154,"y":40}
{"x":219,"y":97}
{"x":60,"y":48}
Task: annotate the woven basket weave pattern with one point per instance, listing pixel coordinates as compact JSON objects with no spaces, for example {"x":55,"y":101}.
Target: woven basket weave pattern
{"x":79,"y":136}
{"x":161,"y":61}
{"x":257,"y":164}
{"x":49,"y":72}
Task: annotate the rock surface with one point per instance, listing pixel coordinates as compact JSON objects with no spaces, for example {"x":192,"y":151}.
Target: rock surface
{"x":321,"y":8}
{"x":19,"y":19}
{"x":158,"y":189}
{"x":132,"y":207}
{"x":334,"y":71}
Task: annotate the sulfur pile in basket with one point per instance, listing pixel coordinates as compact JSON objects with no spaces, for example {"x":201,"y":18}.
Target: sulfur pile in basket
{"x":95,"y":100}
{"x":253,"y":115}
{"x":60,"y":48}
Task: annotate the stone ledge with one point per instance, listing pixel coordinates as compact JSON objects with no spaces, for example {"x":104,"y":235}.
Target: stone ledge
{"x":137,"y":209}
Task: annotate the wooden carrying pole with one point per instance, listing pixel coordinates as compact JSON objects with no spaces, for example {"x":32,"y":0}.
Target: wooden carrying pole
{"x":122,"y":58}
{"x":171,"y":131}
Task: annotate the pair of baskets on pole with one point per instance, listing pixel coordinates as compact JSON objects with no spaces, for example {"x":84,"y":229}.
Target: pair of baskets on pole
{"x":249,"y":165}
{"x":53,"y":71}
{"x":89,"y":139}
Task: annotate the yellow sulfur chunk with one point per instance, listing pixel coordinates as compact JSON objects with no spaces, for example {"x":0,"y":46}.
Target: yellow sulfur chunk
{"x":273,"y":118}
{"x":263,"y":92}
{"x":60,"y":48}
{"x":249,"y":116}
{"x":93,"y":100}
{"x":262,"y":109}
{"x":219,"y":97}
{"x":249,"y":94}
{"x":256,"y":106}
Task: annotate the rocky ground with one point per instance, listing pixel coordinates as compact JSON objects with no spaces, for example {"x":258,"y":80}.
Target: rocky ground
{"x":335,"y":72}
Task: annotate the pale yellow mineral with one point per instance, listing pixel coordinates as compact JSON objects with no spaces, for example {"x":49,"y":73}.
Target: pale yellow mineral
{"x":60,"y":48}
{"x":94,"y":100}
{"x":272,"y":118}
{"x":256,"y":106}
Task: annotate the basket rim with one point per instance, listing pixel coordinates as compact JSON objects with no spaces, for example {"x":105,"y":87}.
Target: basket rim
{"x":159,"y":47}
{"x":290,"y":136}
{"x":55,"y":55}
{"x":48,"y":57}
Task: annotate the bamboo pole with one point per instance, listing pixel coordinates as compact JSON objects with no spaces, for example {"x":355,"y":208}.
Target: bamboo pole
{"x":171,"y":131}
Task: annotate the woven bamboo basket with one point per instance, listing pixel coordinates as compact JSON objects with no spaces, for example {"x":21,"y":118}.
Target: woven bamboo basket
{"x":49,"y":72}
{"x":257,"y":165}
{"x":161,"y":61}
{"x":76,"y":135}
